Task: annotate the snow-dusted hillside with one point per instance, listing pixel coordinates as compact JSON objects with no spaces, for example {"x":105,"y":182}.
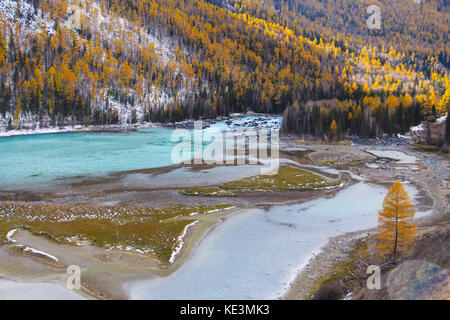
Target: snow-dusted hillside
{"x":23,"y":13}
{"x":109,"y":31}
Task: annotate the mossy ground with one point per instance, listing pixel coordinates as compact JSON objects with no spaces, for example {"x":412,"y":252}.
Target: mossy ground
{"x":287,"y":179}
{"x":153,"y":231}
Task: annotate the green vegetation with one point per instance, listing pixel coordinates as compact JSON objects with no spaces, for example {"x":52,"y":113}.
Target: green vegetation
{"x":153,"y":231}
{"x":217,"y":192}
{"x":287,"y":179}
{"x":328,"y":162}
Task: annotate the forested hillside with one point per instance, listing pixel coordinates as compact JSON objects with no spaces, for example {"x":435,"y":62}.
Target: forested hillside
{"x":128,"y":61}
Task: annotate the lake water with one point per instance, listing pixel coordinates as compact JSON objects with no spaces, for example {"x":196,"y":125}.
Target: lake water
{"x":256,"y":254}
{"x":253,"y":255}
{"x":34,"y":161}
{"x":28,"y":161}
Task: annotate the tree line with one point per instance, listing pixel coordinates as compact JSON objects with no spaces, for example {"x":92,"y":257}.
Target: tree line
{"x":167,"y":60}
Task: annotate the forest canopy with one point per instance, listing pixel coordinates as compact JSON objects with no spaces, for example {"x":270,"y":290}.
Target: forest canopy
{"x":167,"y":60}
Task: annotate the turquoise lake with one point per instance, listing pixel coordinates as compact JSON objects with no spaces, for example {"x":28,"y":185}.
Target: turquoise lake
{"x":34,"y":161}
{"x":30,"y":161}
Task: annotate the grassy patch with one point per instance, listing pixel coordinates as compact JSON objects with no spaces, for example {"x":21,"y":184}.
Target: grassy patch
{"x":216,"y":192}
{"x":429,"y":148}
{"x":287,"y":179}
{"x":343,"y":272}
{"x":426,"y":147}
{"x":152,"y":231}
{"x":328,"y":162}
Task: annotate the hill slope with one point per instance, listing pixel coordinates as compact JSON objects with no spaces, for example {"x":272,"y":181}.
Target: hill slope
{"x":68,"y":62}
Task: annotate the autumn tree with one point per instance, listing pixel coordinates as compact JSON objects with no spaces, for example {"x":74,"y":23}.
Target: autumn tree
{"x":397,"y":230}
{"x":260,"y":56}
{"x":333,"y":130}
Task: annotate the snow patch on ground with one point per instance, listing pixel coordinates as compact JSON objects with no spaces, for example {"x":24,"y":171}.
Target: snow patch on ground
{"x":10,"y":234}
{"x":69,"y":129}
{"x":213,"y":211}
{"x":441,"y":119}
{"x":42,"y":253}
{"x":372,"y":166}
{"x":131,"y":249}
{"x":181,"y":242}
{"x":420,"y":127}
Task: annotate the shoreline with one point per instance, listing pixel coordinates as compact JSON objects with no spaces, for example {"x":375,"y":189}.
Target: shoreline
{"x":276,"y":294}
{"x":76,"y":129}
{"x":324,"y":260}
{"x":338,"y":248}
{"x":209,"y":222}
{"x":184,"y":124}
{"x":320,"y":262}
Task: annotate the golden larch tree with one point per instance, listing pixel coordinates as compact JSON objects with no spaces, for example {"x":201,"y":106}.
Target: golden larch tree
{"x":397,"y":230}
{"x":333,"y":130}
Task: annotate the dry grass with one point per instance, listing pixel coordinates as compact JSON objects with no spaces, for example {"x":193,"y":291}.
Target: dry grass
{"x":328,"y":162}
{"x":287,"y":179}
{"x":217,"y":192}
{"x":430,"y":148}
{"x":343,"y":272}
{"x":425,"y":147}
{"x":152,"y":231}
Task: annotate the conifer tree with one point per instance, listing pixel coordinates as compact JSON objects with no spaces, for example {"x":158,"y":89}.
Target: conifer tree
{"x":397,"y":230}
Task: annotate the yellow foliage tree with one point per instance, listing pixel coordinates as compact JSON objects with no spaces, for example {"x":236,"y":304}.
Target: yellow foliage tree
{"x":17,"y":115}
{"x":333,"y":130}
{"x":392,"y":103}
{"x":366,"y":89}
{"x":397,"y":230}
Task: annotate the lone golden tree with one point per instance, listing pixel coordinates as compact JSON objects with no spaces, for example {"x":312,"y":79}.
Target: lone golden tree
{"x":397,"y":230}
